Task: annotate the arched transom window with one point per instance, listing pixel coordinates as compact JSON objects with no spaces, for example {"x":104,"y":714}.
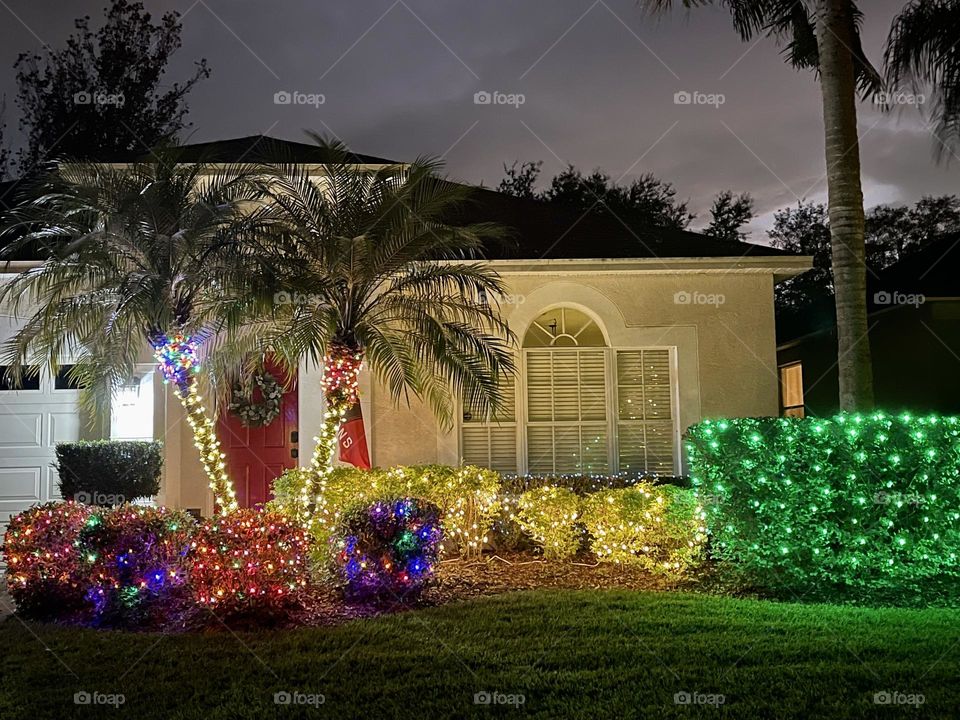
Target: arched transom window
{"x":579,"y":406}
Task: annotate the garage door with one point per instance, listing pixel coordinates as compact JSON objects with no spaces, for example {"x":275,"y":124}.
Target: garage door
{"x":32,"y":421}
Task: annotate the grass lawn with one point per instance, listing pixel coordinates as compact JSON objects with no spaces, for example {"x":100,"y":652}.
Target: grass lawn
{"x":589,"y":654}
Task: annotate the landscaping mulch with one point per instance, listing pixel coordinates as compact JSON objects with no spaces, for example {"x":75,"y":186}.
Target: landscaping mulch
{"x":464,"y":579}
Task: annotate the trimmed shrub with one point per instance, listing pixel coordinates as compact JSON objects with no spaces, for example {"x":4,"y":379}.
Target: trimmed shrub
{"x":44,"y":575}
{"x":549,"y":516}
{"x":134,"y":558}
{"x":582,"y":485}
{"x":467,"y":498}
{"x":109,"y":472}
{"x":659,"y":528}
{"x":387,"y":550}
{"x":868,"y":502}
{"x":249,"y":563}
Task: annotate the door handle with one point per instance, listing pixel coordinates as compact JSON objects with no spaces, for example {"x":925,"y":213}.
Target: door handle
{"x":294,"y":437}
{"x":294,"y":453}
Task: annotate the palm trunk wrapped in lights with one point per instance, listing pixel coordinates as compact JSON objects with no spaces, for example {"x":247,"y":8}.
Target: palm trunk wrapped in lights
{"x":176,"y":356}
{"x":341,"y":372}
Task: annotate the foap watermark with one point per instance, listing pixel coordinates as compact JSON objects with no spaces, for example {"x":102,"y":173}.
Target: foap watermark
{"x":295,"y":97}
{"x":884,"y":297}
{"x":98,"y":698}
{"x":510,"y":299}
{"x":699,"y":698}
{"x":85,"y":97}
{"x":695,"y":97}
{"x":891,"y":99}
{"x":897,"y":498}
{"x":488,"y":697}
{"x":295,"y":697}
{"x":683,"y":297}
{"x":495,"y":97}
{"x":295,"y":298}
{"x":895,"y":697}
{"x":99,"y":498}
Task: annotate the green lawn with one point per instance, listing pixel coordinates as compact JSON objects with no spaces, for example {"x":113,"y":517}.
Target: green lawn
{"x":574,"y":654}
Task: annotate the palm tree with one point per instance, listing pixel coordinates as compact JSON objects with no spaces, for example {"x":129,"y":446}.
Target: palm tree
{"x":824,"y":35}
{"x":923,"y":52}
{"x":371,"y":269}
{"x":147,"y":254}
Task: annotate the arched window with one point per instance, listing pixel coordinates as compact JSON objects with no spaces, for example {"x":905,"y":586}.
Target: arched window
{"x":579,"y":406}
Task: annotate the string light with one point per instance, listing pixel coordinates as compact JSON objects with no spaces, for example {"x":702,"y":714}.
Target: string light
{"x":854,"y":500}
{"x":388,"y":549}
{"x":177,"y":358}
{"x":249,"y":561}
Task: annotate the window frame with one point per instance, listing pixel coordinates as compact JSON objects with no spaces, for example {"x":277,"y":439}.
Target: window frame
{"x":521,"y":422}
{"x":784,"y":408}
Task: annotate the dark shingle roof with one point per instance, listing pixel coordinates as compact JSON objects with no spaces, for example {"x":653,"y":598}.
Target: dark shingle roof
{"x":553,"y":231}
{"x":256,"y":148}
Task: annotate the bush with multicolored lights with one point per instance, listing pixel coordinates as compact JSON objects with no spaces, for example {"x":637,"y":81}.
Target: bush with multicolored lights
{"x":144,"y":567}
{"x":848,"y":503}
{"x":387,"y":550}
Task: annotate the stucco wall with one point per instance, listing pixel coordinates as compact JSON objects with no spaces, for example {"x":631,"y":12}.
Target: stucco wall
{"x":726,"y":352}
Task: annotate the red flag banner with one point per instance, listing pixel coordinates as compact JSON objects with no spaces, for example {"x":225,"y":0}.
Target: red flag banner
{"x":353,"y":440}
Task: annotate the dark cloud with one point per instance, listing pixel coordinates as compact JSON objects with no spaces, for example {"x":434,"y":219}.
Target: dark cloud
{"x":598,"y":80}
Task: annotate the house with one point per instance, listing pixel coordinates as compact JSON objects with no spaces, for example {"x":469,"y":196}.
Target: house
{"x":914,"y":334}
{"x":627,"y":335}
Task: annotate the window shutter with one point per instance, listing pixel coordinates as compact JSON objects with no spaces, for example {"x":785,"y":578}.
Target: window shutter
{"x":491,"y":441}
{"x":645,"y":428}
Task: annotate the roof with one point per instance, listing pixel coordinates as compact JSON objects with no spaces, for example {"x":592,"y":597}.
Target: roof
{"x":550,"y":231}
{"x":256,"y":148}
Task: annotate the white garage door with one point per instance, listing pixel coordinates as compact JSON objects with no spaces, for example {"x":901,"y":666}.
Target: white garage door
{"x":32,"y":421}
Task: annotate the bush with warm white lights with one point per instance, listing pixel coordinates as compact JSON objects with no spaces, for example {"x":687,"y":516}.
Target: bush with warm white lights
{"x":249,"y":563}
{"x":387,"y":550}
{"x":852,"y":502}
{"x":657,"y":527}
{"x":549,"y":515}
{"x":45,"y":576}
{"x":468,"y":498}
{"x":134,"y":558}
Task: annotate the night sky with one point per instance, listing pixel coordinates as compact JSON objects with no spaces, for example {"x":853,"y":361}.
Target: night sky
{"x":598,"y":80}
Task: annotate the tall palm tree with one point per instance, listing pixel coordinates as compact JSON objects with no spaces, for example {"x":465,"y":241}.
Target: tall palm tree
{"x":369,"y":268}
{"x":137,"y":256}
{"x":824,"y":35}
{"x":923,"y":52}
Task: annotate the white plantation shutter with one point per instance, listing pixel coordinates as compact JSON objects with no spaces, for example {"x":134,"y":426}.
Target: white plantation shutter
{"x":491,"y":442}
{"x":645,"y":424}
{"x":567,"y":411}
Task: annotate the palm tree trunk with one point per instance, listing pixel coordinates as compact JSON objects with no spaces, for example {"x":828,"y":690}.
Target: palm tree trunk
{"x":838,"y":87}
{"x":341,"y":370}
{"x":206,"y":441}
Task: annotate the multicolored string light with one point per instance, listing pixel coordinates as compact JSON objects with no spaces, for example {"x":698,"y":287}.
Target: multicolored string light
{"x":249,"y":561}
{"x":388,"y":549}
{"x":177,"y":359}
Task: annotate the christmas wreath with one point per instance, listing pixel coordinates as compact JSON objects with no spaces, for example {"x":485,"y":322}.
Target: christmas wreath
{"x":254,"y":413}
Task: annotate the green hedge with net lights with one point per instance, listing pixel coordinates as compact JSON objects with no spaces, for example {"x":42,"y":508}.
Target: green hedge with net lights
{"x":851,"y":502}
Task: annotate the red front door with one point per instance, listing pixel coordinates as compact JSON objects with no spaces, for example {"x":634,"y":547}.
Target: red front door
{"x":257,"y":455}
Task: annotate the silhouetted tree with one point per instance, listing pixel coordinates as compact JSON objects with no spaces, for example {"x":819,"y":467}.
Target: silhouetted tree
{"x":728,"y":214}
{"x":105,"y":94}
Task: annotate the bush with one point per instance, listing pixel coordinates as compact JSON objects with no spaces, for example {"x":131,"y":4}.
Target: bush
{"x":549,"y":515}
{"x":387,"y":549}
{"x":516,"y":485}
{"x":862,"y":502}
{"x":249,"y":563}
{"x":467,"y":498}
{"x":109,"y":472}
{"x":45,"y":577}
{"x":135,"y":562}
{"x":659,"y":528}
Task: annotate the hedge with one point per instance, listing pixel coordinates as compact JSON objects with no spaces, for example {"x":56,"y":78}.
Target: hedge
{"x":109,"y":472}
{"x":467,"y":498}
{"x":869,"y":502}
